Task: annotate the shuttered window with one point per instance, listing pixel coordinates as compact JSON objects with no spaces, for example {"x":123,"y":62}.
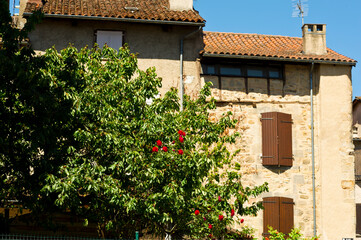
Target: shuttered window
{"x":278,"y":213}
{"x":276,"y":139}
{"x":358,"y":219}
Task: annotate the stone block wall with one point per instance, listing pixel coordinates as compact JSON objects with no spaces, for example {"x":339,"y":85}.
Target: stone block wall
{"x":293,"y":97}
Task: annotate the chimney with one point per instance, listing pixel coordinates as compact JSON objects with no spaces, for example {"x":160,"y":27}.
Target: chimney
{"x":181,"y":5}
{"x":314,"y":39}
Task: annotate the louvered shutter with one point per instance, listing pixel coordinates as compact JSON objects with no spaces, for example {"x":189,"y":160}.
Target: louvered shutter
{"x":269,"y":139}
{"x":286,"y":215}
{"x":271,"y":214}
{"x":285,"y":139}
{"x":276,"y":139}
{"x":358,"y":218}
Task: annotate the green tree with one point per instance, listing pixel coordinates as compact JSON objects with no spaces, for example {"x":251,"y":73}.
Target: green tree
{"x":138,"y":166}
{"x":36,"y":125}
{"x":76,"y":133}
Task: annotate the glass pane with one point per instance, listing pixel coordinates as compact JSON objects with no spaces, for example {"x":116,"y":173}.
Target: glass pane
{"x":234,"y":71}
{"x":208,"y":69}
{"x":211,"y":69}
{"x":274,"y":74}
{"x":255,"y":72}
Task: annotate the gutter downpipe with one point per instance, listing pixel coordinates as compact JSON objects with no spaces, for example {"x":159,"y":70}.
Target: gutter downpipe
{"x":181,"y":84}
{"x":313,"y":153}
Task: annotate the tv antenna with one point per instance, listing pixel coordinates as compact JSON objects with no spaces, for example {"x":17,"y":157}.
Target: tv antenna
{"x":300,"y":9}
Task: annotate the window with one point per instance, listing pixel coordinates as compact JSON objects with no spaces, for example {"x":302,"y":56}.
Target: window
{"x":244,"y":70}
{"x":113,"y":39}
{"x":277,"y":213}
{"x":276,"y":139}
{"x":358,"y":218}
{"x":245,"y":75}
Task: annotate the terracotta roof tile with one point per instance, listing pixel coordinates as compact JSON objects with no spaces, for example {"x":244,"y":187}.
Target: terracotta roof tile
{"x":282,"y":47}
{"x":136,"y":9}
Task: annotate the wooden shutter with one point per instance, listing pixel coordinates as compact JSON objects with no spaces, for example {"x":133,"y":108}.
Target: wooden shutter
{"x":286,"y":215}
{"x":358,"y":218}
{"x":285,"y":139}
{"x":271,"y":209}
{"x":278,"y":213}
{"x":276,"y":139}
{"x":269,"y":139}
{"x":357,"y":160}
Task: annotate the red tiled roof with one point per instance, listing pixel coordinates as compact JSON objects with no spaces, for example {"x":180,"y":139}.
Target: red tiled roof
{"x":268,"y":46}
{"x":134,"y":9}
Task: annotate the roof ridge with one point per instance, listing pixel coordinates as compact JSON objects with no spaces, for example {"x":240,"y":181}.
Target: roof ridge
{"x":253,"y":34}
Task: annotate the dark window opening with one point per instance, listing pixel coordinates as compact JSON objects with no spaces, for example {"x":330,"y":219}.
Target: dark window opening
{"x":319,"y":28}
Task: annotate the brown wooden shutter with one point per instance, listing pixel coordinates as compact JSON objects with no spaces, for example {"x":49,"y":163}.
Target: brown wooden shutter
{"x":357,"y":160}
{"x":358,"y":218}
{"x":286,"y":215}
{"x":271,"y":211}
{"x":276,"y":139}
{"x":269,"y":139}
{"x":285,"y":139}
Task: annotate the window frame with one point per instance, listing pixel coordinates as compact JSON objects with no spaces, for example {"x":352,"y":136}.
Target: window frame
{"x":109,"y":30}
{"x":244,"y":67}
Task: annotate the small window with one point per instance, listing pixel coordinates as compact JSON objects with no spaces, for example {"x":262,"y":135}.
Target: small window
{"x":255,"y":72}
{"x":278,"y":214}
{"x":113,"y":39}
{"x":208,"y":69}
{"x":276,"y":139}
{"x":232,"y":71}
{"x":274,"y":73}
{"x":310,"y":28}
{"x":319,"y":28}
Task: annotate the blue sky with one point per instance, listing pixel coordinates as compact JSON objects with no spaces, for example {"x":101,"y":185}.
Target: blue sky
{"x":343,"y":19}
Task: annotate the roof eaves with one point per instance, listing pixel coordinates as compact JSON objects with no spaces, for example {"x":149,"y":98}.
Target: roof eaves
{"x":283,"y":59}
{"x":99,"y":18}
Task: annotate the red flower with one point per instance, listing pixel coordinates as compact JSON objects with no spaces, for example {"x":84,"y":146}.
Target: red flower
{"x":180,"y":151}
{"x":204,"y":218}
{"x":196,"y":212}
{"x":242,"y":220}
{"x":232,"y":212}
{"x":173,"y":142}
{"x":181,"y":139}
{"x":220,"y":217}
{"x":155,"y":149}
{"x":159,"y":142}
{"x":180,"y":132}
{"x":219,"y":198}
{"x":165,"y":149}
{"x":210,"y":226}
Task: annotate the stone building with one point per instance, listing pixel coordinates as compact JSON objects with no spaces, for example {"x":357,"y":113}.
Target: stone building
{"x":292,"y":97}
{"x":356,"y":130}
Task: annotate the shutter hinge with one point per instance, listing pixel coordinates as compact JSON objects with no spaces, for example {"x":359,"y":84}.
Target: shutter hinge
{"x":288,"y":202}
{"x":286,"y":121}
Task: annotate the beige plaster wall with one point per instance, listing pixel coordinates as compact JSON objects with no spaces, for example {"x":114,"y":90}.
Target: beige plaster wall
{"x":334,"y":164}
{"x":157,"y":45}
{"x":335,"y":175}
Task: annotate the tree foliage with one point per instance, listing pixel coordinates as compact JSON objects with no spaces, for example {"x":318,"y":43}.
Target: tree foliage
{"x":77,"y":134}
